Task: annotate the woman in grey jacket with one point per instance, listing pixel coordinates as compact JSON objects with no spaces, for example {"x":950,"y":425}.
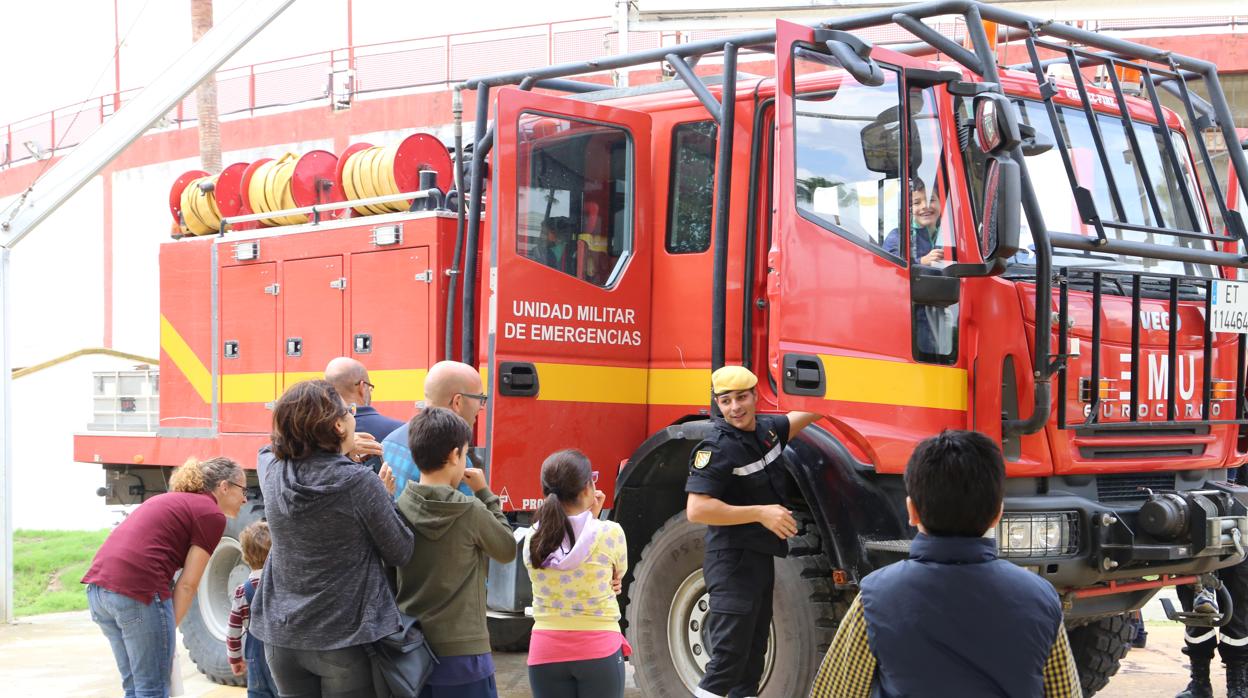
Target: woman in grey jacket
{"x":324,"y":595}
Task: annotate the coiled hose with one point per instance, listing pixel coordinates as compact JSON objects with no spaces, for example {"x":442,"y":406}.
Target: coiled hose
{"x":269,"y":190}
{"x":200,"y":215}
{"x":369,"y":173}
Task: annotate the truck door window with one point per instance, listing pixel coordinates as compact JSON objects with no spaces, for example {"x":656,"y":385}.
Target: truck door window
{"x":848,"y":154}
{"x":693,"y":187}
{"x":574,"y":197}
{"x":935,"y":329}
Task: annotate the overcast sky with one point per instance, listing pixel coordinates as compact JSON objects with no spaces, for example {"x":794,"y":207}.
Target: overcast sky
{"x":57,"y":52}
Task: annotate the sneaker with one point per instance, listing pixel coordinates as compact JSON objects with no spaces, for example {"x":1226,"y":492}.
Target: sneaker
{"x":1205,"y":602}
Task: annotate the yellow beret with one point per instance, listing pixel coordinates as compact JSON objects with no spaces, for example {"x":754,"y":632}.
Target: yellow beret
{"x":730,"y":378}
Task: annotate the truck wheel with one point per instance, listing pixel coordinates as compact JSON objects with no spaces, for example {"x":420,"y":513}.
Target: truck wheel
{"x":509,"y":633}
{"x":668,"y":605}
{"x":203,"y":628}
{"x":1098,"y":648}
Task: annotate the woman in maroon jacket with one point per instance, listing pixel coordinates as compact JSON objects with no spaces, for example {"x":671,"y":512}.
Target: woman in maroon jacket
{"x":130,"y":584}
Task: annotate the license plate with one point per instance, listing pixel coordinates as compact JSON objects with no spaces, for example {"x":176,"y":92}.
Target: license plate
{"x":1229,"y":307}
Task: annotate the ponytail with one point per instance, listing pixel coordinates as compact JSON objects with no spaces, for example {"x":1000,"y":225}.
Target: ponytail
{"x":552,"y":526}
{"x":194,"y":476}
{"x":565,"y":474}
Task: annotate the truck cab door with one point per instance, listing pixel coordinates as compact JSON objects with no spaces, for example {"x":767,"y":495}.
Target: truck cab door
{"x":568,"y":316}
{"x":849,"y":336}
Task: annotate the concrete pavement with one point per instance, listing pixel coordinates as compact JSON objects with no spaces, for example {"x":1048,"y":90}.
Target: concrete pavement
{"x":65,"y":655}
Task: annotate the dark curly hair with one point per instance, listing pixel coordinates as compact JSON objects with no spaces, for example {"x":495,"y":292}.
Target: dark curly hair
{"x":304,"y":420}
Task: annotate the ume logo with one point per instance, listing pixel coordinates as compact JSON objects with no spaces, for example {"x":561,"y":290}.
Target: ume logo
{"x":1155,"y":387}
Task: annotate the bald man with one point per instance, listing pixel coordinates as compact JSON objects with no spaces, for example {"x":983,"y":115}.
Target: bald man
{"x":450,"y":384}
{"x":350,"y":378}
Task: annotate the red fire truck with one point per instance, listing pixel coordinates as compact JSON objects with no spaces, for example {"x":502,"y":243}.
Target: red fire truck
{"x":899,"y":241}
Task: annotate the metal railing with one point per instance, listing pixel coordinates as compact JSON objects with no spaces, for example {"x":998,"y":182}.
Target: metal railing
{"x":427,"y":61}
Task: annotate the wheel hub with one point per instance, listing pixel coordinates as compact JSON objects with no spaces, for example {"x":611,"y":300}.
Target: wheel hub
{"x":687,"y":637}
{"x":225,"y":571}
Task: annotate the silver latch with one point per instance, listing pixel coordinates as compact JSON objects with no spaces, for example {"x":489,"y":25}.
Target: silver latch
{"x":273,"y":289}
{"x":339,"y":283}
{"x":425,"y":276}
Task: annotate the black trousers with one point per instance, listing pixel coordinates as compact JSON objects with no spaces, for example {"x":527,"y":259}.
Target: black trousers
{"x":740,"y":583}
{"x":1231,"y":640}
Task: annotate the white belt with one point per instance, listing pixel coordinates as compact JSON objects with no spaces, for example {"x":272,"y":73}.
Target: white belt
{"x":758,"y":465}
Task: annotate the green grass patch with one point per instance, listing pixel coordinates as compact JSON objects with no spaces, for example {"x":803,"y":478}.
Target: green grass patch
{"x":47,"y":566}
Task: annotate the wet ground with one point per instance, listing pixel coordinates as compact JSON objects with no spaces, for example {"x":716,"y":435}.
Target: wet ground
{"x":66,"y":655}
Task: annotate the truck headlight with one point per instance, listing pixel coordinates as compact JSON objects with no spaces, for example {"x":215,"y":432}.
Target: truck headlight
{"x":1043,"y":534}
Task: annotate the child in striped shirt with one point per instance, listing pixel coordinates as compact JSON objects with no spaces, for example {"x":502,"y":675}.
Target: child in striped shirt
{"x":248,"y":657}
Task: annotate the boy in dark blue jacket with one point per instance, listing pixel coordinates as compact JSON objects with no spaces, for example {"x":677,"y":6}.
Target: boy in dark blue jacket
{"x":953,"y":619}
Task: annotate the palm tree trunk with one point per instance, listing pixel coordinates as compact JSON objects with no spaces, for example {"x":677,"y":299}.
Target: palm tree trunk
{"x":206,"y":95}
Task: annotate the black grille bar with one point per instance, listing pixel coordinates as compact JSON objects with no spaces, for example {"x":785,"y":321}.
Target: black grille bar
{"x":1094,"y":126}
{"x":1129,"y":126}
{"x":1199,"y":124}
{"x":1135,"y":349}
{"x":1095,"y":384}
{"x":1206,"y":399}
{"x":1083,"y":197}
{"x":1171,"y":155}
{"x":1176,"y":288}
{"x":1172,"y":353}
{"x":1063,"y":312}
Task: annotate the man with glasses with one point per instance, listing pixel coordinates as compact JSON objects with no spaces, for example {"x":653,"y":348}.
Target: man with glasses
{"x":350,"y":379}
{"x":450,"y":384}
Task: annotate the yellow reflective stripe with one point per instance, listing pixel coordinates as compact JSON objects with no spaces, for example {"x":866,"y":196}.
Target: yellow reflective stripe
{"x":880,"y":382}
{"x":580,"y":383}
{"x":680,"y":386}
{"x":393,"y":385}
{"x":185,"y":360}
{"x":248,"y":387}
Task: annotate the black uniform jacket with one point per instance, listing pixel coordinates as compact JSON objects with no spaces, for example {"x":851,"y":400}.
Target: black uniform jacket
{"x":743,"y":469}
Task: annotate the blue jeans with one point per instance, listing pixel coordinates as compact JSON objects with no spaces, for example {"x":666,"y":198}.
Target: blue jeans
{"x":142,"y":637}
{"x":259,"y":681}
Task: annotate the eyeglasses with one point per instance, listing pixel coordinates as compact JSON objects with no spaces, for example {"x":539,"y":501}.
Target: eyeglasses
{"x":241,"y":487}
{"x":474,"y":396}
{"x":370,"y":385}
{"x":351,"y":408}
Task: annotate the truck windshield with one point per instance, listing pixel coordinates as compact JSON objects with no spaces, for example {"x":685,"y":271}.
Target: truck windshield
{"x":1057,"y":202}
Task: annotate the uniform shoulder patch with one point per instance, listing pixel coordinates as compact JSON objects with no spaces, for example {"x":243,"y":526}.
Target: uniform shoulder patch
{"x":701,"y":459}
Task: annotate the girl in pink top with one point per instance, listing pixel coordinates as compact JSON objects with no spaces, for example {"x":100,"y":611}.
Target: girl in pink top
{"x":576,"y":563}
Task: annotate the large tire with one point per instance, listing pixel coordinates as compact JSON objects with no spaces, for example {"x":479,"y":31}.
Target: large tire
{"x":667,"y":605}
{"x":509,"y":633}
{"x":1098,"y":648}
{"x":203,"y":628}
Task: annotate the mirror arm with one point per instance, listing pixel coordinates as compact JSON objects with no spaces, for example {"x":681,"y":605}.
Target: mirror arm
{"x":854,"y":55}
{"x":964,"y":270}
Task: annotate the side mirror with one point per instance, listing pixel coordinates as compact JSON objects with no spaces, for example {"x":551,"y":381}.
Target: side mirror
{"x":999,"y":223}
{"x":881,"y":145}
{"x":996,"y":126}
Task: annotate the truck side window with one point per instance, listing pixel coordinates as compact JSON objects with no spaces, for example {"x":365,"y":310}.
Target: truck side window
{"x":692,"y":188}
{"x":848,"y":154}
{"x":575,"y":197}
{"x":935,"y":329}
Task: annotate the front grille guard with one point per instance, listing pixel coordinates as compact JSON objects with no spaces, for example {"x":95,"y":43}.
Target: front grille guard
{"x":1170,"y":71}
{"x":1136,"y":281}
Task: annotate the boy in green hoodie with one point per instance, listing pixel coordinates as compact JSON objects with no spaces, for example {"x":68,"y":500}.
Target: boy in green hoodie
{"x":444,"y":582}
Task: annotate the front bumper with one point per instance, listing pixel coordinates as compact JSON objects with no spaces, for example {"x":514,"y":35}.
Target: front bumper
{"x":1110,"y":540}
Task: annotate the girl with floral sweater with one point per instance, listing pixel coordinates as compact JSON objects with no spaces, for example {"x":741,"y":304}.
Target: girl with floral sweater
{"x":575,"y":563}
